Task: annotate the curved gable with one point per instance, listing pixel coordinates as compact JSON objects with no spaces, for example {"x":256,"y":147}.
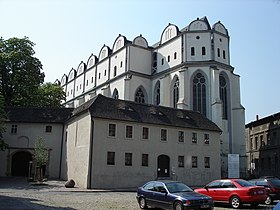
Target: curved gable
{"x":64,"y":79}
{"x":199,"y":24}
{"x":119,"y":43}
{"x":81,"y":68}
{"x":92,"y":61}
{"x":72,"y":74}
{"x":140,"y":41}
{"x":104,"y":52}
{"x":169,"y":32}
{"x":220,"y":28}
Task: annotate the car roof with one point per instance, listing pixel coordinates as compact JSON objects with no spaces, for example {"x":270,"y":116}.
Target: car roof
{"x":165,"y":181}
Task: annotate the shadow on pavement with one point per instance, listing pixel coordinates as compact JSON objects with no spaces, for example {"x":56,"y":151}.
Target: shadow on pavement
{"x":16,"y":203}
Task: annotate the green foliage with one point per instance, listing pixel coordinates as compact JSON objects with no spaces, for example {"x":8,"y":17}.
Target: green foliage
{"x":50,"y":95}
{"x":20,"y":72}
{"x":41,"y":154}
{"x":3,"y":145}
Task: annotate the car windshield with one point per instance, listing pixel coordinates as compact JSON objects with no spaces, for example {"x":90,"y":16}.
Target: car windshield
{"x":275,"y":182}
{"x":174,"y":187}
{"x":244,"y":183}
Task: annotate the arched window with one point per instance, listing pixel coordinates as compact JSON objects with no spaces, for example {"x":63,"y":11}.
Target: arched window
{"x":176,"y":93}
{"x":115,"y":94}
{"x":157,"y":93}
{"x":139,"y":96}
{"x":199,"y":94}
{"x":223,"y":96}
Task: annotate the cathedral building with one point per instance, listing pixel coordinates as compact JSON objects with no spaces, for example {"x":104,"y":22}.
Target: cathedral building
{"x":187,"y":69}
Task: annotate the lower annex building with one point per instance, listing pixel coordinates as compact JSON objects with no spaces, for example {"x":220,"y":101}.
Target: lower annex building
{"x":112,"y":143}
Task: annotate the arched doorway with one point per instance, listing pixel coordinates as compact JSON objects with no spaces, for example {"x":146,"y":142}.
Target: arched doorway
{"x":163,"y":166}
{"x":20,"y":163}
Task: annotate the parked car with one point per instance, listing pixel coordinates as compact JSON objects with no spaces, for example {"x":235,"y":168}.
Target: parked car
{"x":272,"y":186}
{"x":234,"y":192}
{"x":168,"y":194}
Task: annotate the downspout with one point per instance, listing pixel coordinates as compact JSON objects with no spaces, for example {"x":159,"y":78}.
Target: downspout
{"x":90,"y":154}
{"x":61,"y":151}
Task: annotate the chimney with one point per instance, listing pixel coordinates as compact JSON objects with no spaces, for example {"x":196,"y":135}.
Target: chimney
{"x":257,"y":117}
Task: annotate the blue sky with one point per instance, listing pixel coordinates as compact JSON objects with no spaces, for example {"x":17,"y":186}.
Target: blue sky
{"x":67,"y":32}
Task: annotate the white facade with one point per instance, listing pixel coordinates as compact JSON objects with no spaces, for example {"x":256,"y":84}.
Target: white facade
{"x":22,"y":140}
{"x":194,"y":58}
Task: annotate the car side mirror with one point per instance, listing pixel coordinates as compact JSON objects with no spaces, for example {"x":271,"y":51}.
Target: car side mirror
{"x":206,"y":188}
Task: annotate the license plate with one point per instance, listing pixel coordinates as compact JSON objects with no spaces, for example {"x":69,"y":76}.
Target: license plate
{"x":204,"y":206}
{"x":260,"y":192}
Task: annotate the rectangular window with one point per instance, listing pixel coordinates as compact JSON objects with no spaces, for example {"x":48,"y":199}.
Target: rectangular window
{"x":218,"y":52}
{"x":203,"y":51}
{"x":175,"y":55}
{"x":14,"y":129}
{"x":207,"y":162}
{"x":268,"y":139}
{"x":224,"y":54}
{"x":181,"y":136}
{"x":128,"y":159}
{"x":163,"y":135}
{"x":129,"y":131}
{"x":145,"y":133}
{"x":110,"y":158}
{"x":194,"y":161}
{"x":206,"y":138}
{"x":181,"y":161}
{"x":168,"y":58}
{"x":194,"y":138}
{"x":256,"y":142}
{"x":112,"y":130}
{"x":48,"y":129}
{"x":251,"y":143}
{"x":192,"y":51}
{"x":145,"y":159}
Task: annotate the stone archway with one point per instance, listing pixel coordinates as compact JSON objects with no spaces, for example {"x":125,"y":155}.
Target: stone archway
{"x":20,"y":163}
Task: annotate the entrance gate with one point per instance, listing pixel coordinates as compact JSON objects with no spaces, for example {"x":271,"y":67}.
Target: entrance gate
{"x":20,"y":163}
{"x":163,"y":166}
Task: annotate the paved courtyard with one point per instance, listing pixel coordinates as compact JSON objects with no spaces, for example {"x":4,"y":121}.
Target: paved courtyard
{"x":18,"y":194}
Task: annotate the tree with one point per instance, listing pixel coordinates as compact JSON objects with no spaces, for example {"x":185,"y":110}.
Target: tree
{"x":3,"y":145}
{"x":41,"y":157}
{"x":20,"y":72}
{"x":50,"y":95}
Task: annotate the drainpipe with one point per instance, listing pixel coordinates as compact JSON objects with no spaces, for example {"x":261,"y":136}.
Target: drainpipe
{"x":61,"y":151}
{"x":90,"y":154}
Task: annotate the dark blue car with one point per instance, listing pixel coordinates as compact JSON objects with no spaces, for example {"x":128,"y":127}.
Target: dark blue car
{"x":168,"y":194}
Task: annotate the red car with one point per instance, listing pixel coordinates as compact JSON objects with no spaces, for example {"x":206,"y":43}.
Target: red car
{"x":235,"y":192}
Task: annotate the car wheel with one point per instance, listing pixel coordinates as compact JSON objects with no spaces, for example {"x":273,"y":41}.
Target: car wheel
{"x":178,"y":206}
{"x":268,"y":200}
{"x":142,"y":203}
{"x":235,"y":202}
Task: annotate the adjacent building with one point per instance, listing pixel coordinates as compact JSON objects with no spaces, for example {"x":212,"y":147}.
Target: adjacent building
{"x":187,"y":69}
{"x":263,"y":146}
{"x":114,"y":143}
{"x":24,"y":127}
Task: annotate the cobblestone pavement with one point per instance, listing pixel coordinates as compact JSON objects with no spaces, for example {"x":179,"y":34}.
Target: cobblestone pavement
{"x":17,"y":194}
